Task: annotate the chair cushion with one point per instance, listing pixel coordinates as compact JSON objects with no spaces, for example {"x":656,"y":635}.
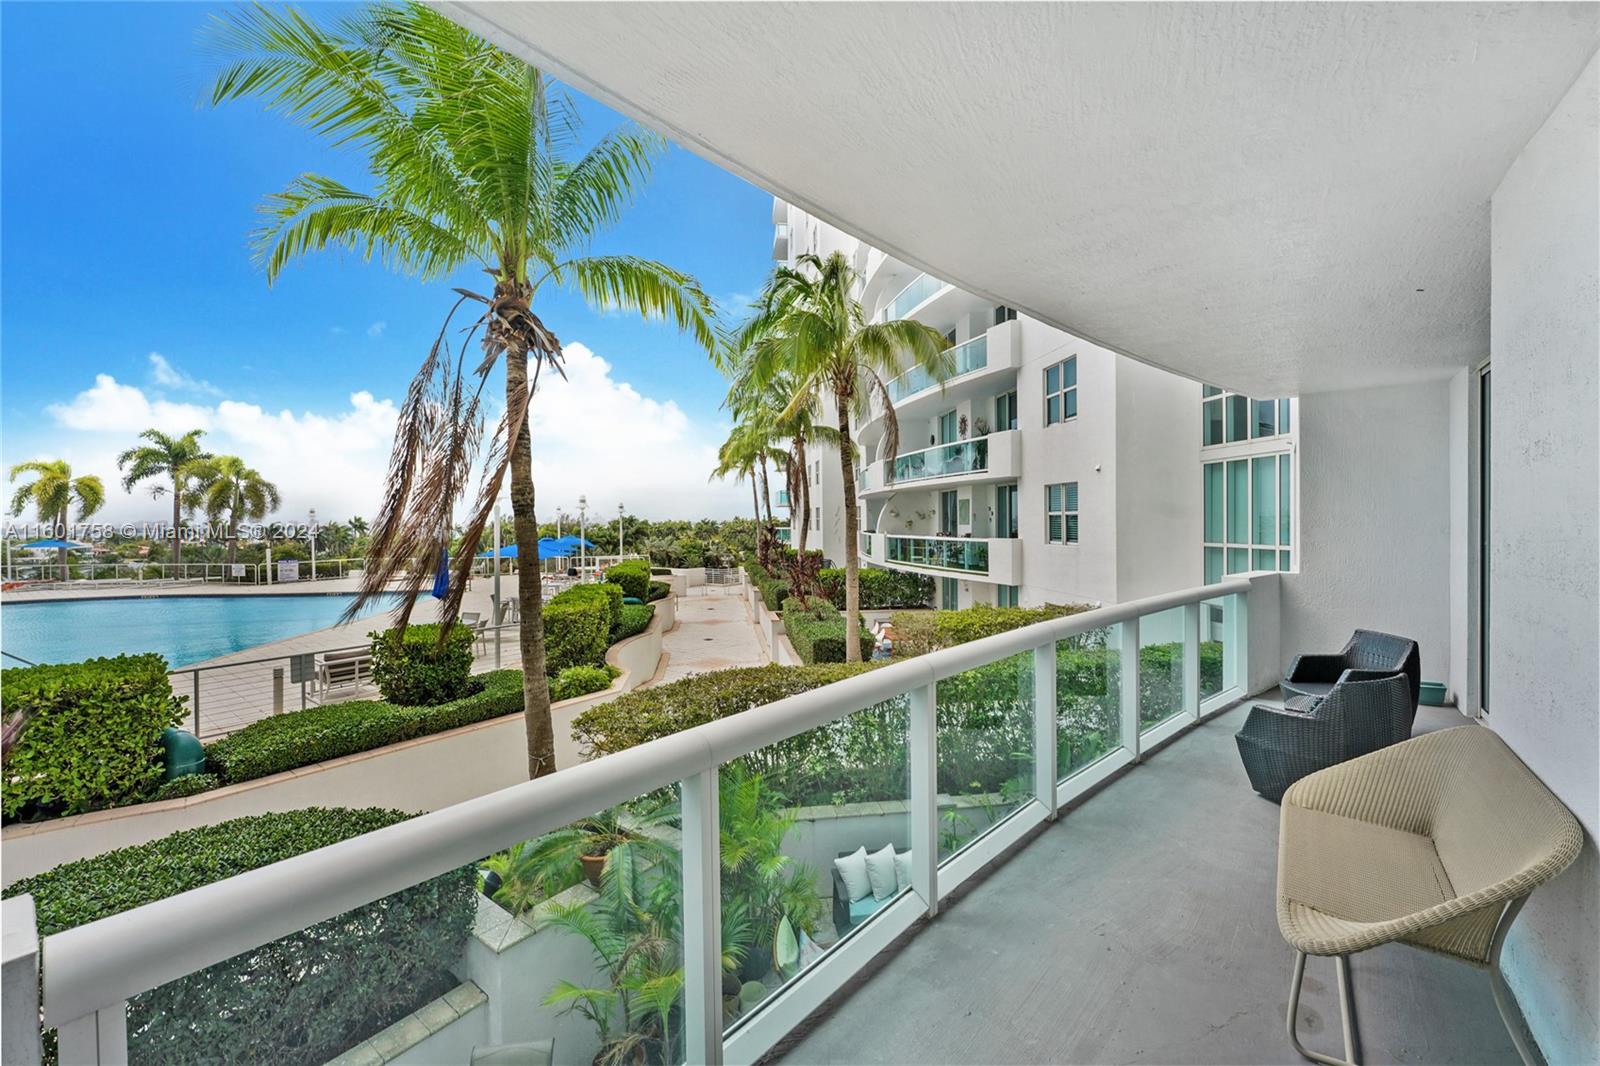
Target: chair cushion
{"x":1349,"y":871}
{"x":862,"y":909}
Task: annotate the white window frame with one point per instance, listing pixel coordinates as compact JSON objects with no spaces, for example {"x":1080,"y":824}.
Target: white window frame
{"x":1069,"y":530}
{"x":1282,"y":405}
{"x":1248,"y":545}
{"x":1062,"y":391}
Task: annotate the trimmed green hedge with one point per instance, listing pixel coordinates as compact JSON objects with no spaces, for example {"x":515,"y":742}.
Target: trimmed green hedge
{"x":880,"y":587}
{"x":773,"y":590}
{"x":635,"y":620}
{"x":93,"y":734}
{"x":300,"y":738}
{"x":577,"y":626}
{"x":300,"y":1000}
{"x":633,"y":576}
{"x":577,"y":681}
{"x":187,"y":785}
{"x":658,"y":590}
{"x":818,"y":632}
{"x":919,"y":632}
{"x":415,"y":669}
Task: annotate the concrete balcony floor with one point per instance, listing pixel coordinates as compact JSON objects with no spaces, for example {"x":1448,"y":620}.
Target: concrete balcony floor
{"x":1140,"y":928}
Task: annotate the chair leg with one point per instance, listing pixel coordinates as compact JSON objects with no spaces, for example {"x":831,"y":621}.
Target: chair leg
{"x":1347,"y":1012}
{"x":1502,"y":993}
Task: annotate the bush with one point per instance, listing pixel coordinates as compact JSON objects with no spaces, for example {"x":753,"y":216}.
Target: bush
{"x":925,"y":631}
{"x":635,"y":620}
{"x":633,"y":576}
{"x":414,"y":668}
{"x":577,"y":627}
{"x":880,"y":588}
{"x":187,"y":785}
{"x":301,"y":738}
{"x":581,"y":680}
{"x":773,"y":590}
{"x":658,"y":590}
{"x":302,"y":999}
{"x":818,"y":632}
{"x":92,"y":737}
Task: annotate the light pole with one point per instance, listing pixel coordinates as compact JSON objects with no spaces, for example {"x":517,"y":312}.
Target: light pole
{"x":311,"y":535}
{"x":583,"y":503}
{"x":619,"y":531}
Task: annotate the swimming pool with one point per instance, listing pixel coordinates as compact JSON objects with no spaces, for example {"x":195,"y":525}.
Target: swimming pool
{"x":185,"y":629}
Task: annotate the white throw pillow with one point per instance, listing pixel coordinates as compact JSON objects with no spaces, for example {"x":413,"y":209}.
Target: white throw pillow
{"x":853,"y":869}
{"x":902,"y":869}
{"x":880,"y":872}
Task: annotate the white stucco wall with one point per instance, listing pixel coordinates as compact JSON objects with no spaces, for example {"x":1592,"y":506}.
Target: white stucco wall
{"x":1374,"y":531}
{"x":1544,"y":527}
{"x":1159,"y":497}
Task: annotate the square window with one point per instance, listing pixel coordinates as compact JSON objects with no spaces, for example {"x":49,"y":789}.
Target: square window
{"x":1061,"y":391}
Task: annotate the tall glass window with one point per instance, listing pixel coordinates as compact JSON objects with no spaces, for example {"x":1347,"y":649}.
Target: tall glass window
{"x":1248,"y":508}
{"x":1266,"y":418}
{"x":1212,"y":416}
{"x":1238,"y":418}
{"x":1005,"y":412}
{"x":1239,"y":501}
{"x":1214,"y":496}
{"x":1061,"y":391}
{"x":1264,"y":501}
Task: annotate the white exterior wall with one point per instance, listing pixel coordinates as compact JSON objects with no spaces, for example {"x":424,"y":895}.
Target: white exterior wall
{"x":1160,"y":502}
{"x":1544,"y":528}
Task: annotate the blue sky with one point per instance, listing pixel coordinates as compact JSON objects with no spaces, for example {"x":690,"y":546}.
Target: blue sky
{"x":127,"y":205}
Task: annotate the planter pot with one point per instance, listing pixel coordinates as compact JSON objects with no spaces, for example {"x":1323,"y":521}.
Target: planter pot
{"x":592,"y":865}
{"x":757,"y":963}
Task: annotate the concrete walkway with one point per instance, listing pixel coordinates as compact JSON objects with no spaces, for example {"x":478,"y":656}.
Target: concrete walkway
{"x":714,"y":632}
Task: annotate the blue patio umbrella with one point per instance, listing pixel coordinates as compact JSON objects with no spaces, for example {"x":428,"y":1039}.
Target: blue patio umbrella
{"x":572,"y":542}
{"x":441,"y":580}
{"x":507,"y":551}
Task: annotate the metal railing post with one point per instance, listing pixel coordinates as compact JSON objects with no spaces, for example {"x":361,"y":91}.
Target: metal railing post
{"x":195,"y":674}
{"x":702,"y":920}
{"x":924,"y":760}
{"x":1128,"y":654}
{"x":1044,"y":726}
{"x":1191,"y":660}
{"x":98,"y":1039}
{"x":277,"y":690}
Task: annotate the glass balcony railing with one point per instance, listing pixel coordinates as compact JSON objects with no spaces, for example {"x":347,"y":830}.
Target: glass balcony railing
{"x":783,"y":497}
{"x":921,"y":287}
{"x":783,"y":534}
{"x":865,"y":543}
{"x":973,"y":355}
{"x":962,"y":554}
{"x":962,"y":457}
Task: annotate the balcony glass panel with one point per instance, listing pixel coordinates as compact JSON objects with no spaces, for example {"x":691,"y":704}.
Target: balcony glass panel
{"x":786,"y":812}
{"x":963,"y":457}
{"x":922,"y":287}
{"x":865,"y":543}
{"x":985,"y":724}
{"x":1088,"y":699}
{"x":1214,"y":619}
{"x":1160,"y":667}
{"x":941,"y":553}
{"x":973,"y":355}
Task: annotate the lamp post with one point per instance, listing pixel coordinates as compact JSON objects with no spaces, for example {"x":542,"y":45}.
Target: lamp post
{"x":619,"y":531}
{"x":583,"y":503}
{"x":311,"y":535}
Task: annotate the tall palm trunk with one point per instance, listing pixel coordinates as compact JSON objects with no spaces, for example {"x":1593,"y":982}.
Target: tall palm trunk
{"x":177,"y":517}
{"x":61,"y":553}
{"x":803,"y":484}
{"x":233,"y":537}
{"x":852,"y":560}
{"x":530,"y":596}
{"x":766,"y":490}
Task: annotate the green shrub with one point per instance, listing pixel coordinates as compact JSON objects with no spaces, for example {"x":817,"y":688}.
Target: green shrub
{"x":818,"y":632}
{"x":414,"y":669}
{"x":302,"y":999}
{"x":632,"y":575}
{"x":658,"y":590}
{"x":581,"y":680}
{"x":635,"y":620}
{"x":577,"y":627}
{"x":301,"y":738}
{"x":918,"y":632}
{"x":774,"y":590}
{"x":880,"y":588}
{"x":187,"y":785}
{"x":92,"y":737}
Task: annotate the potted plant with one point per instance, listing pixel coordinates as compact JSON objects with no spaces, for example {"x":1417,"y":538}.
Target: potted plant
{"x":775,"y":893}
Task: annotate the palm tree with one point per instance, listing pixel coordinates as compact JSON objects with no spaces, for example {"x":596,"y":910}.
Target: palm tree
{"x":740,"y":457}
{"x":52,"y":493}
{"x":473,"y":161}
{"x":810,"y":326}
{"x":175,"y":458}
{"x":225,"y":485}
{"x":791,"y":420}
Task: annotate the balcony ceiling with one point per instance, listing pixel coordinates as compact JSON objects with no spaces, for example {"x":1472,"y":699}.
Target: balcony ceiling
{"x":1249,"y":195}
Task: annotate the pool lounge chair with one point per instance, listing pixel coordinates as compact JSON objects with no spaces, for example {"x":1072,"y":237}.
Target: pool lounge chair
{"x":336,"y":669}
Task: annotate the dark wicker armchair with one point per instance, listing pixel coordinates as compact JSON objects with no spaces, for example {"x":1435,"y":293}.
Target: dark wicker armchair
{"x":1367,"y":654}
{"x":1279,"y":746}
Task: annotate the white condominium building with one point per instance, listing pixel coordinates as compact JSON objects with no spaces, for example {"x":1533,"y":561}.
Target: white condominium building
{"x":1046,"y":469}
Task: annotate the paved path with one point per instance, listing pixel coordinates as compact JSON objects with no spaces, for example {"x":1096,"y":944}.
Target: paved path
{"x":714,"y":632}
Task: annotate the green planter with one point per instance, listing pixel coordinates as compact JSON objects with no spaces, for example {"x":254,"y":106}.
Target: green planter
{"x":1432,"y":693}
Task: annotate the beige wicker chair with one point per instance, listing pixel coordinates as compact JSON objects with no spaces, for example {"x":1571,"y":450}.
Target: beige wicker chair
{"x":1435,"y":842}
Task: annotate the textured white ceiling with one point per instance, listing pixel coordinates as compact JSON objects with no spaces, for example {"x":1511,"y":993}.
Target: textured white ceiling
{"x":1252,"y":195}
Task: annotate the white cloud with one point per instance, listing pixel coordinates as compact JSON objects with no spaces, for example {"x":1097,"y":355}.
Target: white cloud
{"x":592,"y":434}
{"x":163,"y":373}
{"x":377,"y":328}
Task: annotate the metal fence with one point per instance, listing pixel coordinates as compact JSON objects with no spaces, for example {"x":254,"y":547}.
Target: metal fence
{"x":43,"y":573}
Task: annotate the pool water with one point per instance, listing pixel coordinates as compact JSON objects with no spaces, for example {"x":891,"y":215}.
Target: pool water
{"x":185,"y":629}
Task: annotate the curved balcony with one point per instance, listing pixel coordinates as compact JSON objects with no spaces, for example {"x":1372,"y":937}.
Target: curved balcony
{"x":995,"y":559}
{"x":983,"y":365}
{"x":996,"y":457}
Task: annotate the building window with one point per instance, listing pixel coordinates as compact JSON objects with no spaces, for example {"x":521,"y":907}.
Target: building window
{"x":1006,"y":596}
{"x":1061,"y":513}
{"x":1248,"y":505}
{"x":1005,"y":412}
{"x":1061,"y":391}
{"x":1004,"y":314}
{"x":1228,"y":417}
